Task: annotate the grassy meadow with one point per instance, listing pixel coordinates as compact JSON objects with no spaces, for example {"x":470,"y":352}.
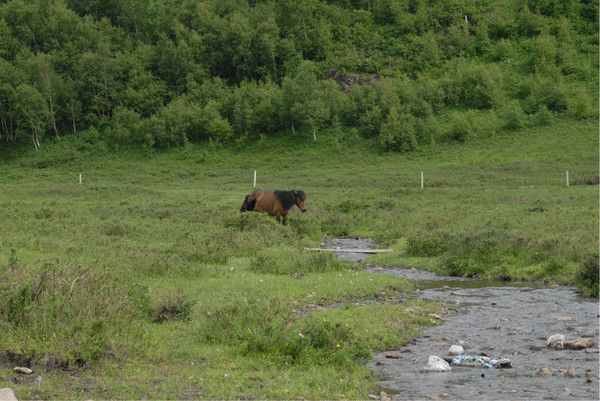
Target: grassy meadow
{"x":145,"y":281}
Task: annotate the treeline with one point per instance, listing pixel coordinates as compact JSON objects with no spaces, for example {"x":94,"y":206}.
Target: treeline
{"x":160,"y":73}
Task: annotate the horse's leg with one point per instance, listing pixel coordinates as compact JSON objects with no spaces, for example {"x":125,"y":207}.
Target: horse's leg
{"x":278,"y":218}
{"x":284,"y":219}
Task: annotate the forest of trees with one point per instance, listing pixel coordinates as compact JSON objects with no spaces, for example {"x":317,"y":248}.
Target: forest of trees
{"x":162,"y":73}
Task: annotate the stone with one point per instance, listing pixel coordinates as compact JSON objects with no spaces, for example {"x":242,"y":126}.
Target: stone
{"x":579,"y":343}
{"x":373,"y":397}
{"x":569,"y":373}
{"x":437,"y":364}
{"x":591,"y":350}
{"x":383,"y":396}
{"x":556,"y":341}
{"x":7,"y":394}
{"x":455,"y":350}
{"x":543,"y":372}
{"x":23,"y":370}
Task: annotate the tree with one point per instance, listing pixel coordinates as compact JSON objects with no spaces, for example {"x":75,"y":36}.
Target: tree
{"x":10,"y":78}
{"x":31,"y":112}
{"x":41,"y":73}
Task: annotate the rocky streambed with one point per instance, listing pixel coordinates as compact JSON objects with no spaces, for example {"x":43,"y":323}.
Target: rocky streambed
{"x":497,"y":319}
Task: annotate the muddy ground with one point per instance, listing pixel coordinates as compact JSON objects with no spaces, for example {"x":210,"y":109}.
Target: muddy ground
{"x":498,"y":319}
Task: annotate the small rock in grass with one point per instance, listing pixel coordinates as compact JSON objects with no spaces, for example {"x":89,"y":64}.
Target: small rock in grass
{"x":569,"y":373}
{"x":556,"y":341}
{"x":373,"y":397}
{"x":579,"y":343}
{"x":23,"y":370}
{"x":383,"y":396}
{"x":455,"y":350}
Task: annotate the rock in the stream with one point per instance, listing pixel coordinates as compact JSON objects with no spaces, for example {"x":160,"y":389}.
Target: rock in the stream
{"x":569,"y":373}
{"x":579,"y":343}
{"x":455,"y":350}
{"x":543,"y":372}
{"x":556,"y":341}
{"x":437,"y":364}
{"x":384,"y":396}
{"x":23,"y":370}
{"x":592,"y":351}
{"x":7,"y":394}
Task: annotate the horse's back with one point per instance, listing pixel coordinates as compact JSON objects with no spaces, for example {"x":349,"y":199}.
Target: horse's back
{"x":266,"y":201}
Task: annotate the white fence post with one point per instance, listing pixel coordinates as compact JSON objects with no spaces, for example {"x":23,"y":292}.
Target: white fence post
{"x":254,"y":181}
{"x":567,"y":177}
{"x":80,"y":178}
{"x":422,"y":181}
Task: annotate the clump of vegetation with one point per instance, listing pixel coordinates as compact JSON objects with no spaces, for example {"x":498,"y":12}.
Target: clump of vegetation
{"x":291,"y":260}
{"x":588,"y":279}
{"x":487,"y":254}
{"x":428,"y":243}
{"x":269,"y":327}
{"x":77,"y":314}
{"x":172,"y":307}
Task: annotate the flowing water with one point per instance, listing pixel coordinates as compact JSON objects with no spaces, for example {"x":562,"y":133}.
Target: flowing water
{"x":498,"y":319}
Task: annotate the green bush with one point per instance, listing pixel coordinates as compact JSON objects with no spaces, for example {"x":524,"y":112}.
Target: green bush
{"x":588,"y":275}
{"x":398,"y":132}
{"x":428,"y":243}
{"x":460,"y":127}
{"x":512,"y":116}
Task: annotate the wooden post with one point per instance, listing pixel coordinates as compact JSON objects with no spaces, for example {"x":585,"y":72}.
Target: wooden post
{"x":567,"y":177}
{"x":254,"y":181}
{"x":422,"y":181}
{"x":314,"y":135}
{"x":79,"y":178}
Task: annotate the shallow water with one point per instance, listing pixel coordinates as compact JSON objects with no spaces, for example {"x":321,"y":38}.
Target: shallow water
{"x":499,"y":319}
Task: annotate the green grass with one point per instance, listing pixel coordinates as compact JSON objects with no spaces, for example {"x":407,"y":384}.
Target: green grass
{"x":161,"y":233}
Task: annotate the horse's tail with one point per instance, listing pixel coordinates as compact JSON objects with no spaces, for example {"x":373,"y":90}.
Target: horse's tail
{"x":248,"y":204}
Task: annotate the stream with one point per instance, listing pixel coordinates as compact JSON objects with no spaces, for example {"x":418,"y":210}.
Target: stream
{"x":498,"y":319}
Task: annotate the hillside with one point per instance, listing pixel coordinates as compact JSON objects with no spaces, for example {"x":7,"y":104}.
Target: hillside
{"x":158,"y":74}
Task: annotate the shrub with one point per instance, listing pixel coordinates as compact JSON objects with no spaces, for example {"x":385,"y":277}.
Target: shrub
{"x":172,"y":307}
{"x":398,"y":132}
{"x":588,"y":275}
{"x":428,"y":243}
{"x":461,"y":127}
{"x":511,"y":115}
{"x":542,"y":117}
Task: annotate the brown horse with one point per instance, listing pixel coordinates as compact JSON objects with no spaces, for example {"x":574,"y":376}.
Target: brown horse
{"x":276,"y":203}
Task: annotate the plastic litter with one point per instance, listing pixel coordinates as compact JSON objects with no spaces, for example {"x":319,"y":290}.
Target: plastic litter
{"x":481,"y":361}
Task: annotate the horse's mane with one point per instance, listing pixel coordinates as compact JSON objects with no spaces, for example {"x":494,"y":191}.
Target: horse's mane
{"x":286,"y":198}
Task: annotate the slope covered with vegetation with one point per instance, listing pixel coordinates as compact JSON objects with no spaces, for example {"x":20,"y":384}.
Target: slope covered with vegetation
{"x":161,"y":73}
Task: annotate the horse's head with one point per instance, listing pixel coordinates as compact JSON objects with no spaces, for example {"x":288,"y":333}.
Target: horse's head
{"x":300,"y":200}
